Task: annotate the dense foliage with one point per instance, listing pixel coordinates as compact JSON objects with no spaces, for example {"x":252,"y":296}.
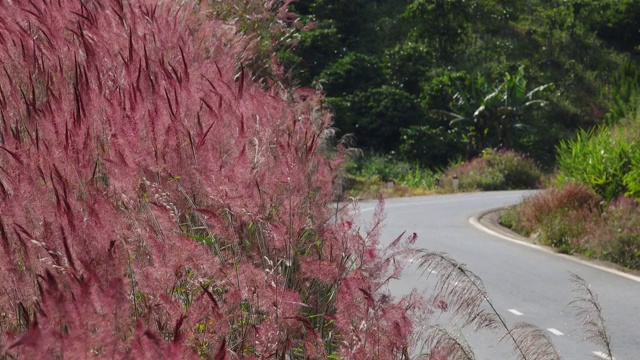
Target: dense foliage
{"x":607,"y":158}
{"x":391,"y":69}
{"x":494,"y":170}
{"x":374,"y":175}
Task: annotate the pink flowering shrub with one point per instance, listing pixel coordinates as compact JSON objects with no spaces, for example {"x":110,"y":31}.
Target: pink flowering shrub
{"x":155,"y":202}
{"x":494,"y":170}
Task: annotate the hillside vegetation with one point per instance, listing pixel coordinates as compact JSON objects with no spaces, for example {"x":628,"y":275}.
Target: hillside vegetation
{"x":431,"y":82}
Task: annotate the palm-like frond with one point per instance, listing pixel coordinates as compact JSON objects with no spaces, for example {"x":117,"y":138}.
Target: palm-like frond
{"x":520,"y":84}
{"x":453,"y":118}
{"x":492,"y":98}
{"x":447,"y":115}
{"x":521,"y":126}
{"x":535,"y":102}
{"x":538,"y":89}
{"x":479,"y":111}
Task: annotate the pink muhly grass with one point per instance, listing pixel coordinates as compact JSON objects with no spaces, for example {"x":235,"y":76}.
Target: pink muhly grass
{"x":570,"y":197}
{"x":156,"y":202}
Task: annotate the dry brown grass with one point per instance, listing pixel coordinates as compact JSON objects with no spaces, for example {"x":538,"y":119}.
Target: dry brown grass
{"x":568,"y":198}
{"x":574,"y":219}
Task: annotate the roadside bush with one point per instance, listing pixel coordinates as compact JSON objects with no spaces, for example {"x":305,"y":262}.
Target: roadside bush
{"x":527,"y":217}
{"x":631,"y":179}
{"x":616,"y":237}
{"x":369,"y":175}
{"x":600,"y":159}
{"x":563,"y":229}
{"x":574,"y":219}
{"x":580,"y":160}
{"x":557,"y":217}
{"x":495,"y":170}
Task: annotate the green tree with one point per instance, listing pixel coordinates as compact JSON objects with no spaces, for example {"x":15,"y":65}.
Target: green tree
{"x":471,"y":110}
{"x":514,"y":103}
{"x":376,"y":116}
{"x":444,"y":23}
{"x":408,"y":64}
{"x":431,"y":146}
{"x":314,"y":51}
{"x":352,"y":73}
{"x":625,"y":90}
{"x":411,"y":45}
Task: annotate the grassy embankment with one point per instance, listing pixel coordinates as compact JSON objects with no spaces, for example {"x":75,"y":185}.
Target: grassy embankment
{"x":591,"y":208}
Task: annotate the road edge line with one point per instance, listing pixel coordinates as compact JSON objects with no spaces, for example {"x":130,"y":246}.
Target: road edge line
{"x":475,"y":222}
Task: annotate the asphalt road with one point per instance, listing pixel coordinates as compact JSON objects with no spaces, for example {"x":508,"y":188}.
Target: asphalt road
{"x":525,"y":284}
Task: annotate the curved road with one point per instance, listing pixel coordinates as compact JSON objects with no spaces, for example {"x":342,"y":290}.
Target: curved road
{"x":526,"y":284}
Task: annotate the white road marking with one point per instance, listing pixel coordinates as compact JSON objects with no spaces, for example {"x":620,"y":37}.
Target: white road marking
{"x":515,"y":312}
{"x":555,"y":331}
{"x":602,"y":355}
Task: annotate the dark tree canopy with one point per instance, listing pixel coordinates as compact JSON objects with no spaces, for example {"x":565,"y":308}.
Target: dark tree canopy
{"x":382,"y":66}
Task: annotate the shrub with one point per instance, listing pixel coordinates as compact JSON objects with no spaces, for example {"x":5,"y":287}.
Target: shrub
{"x":600,"y":159}
{"x":616,"y":237}
{"x":563,"y":229}
{"x":373,"y":170}
{"x":495,"y":170}
{"x":631,"y":179}
{"x":558,"y":216}
{"x":574,"y":219}
{"x":582,"y":160}
{"x":528,"y":216}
